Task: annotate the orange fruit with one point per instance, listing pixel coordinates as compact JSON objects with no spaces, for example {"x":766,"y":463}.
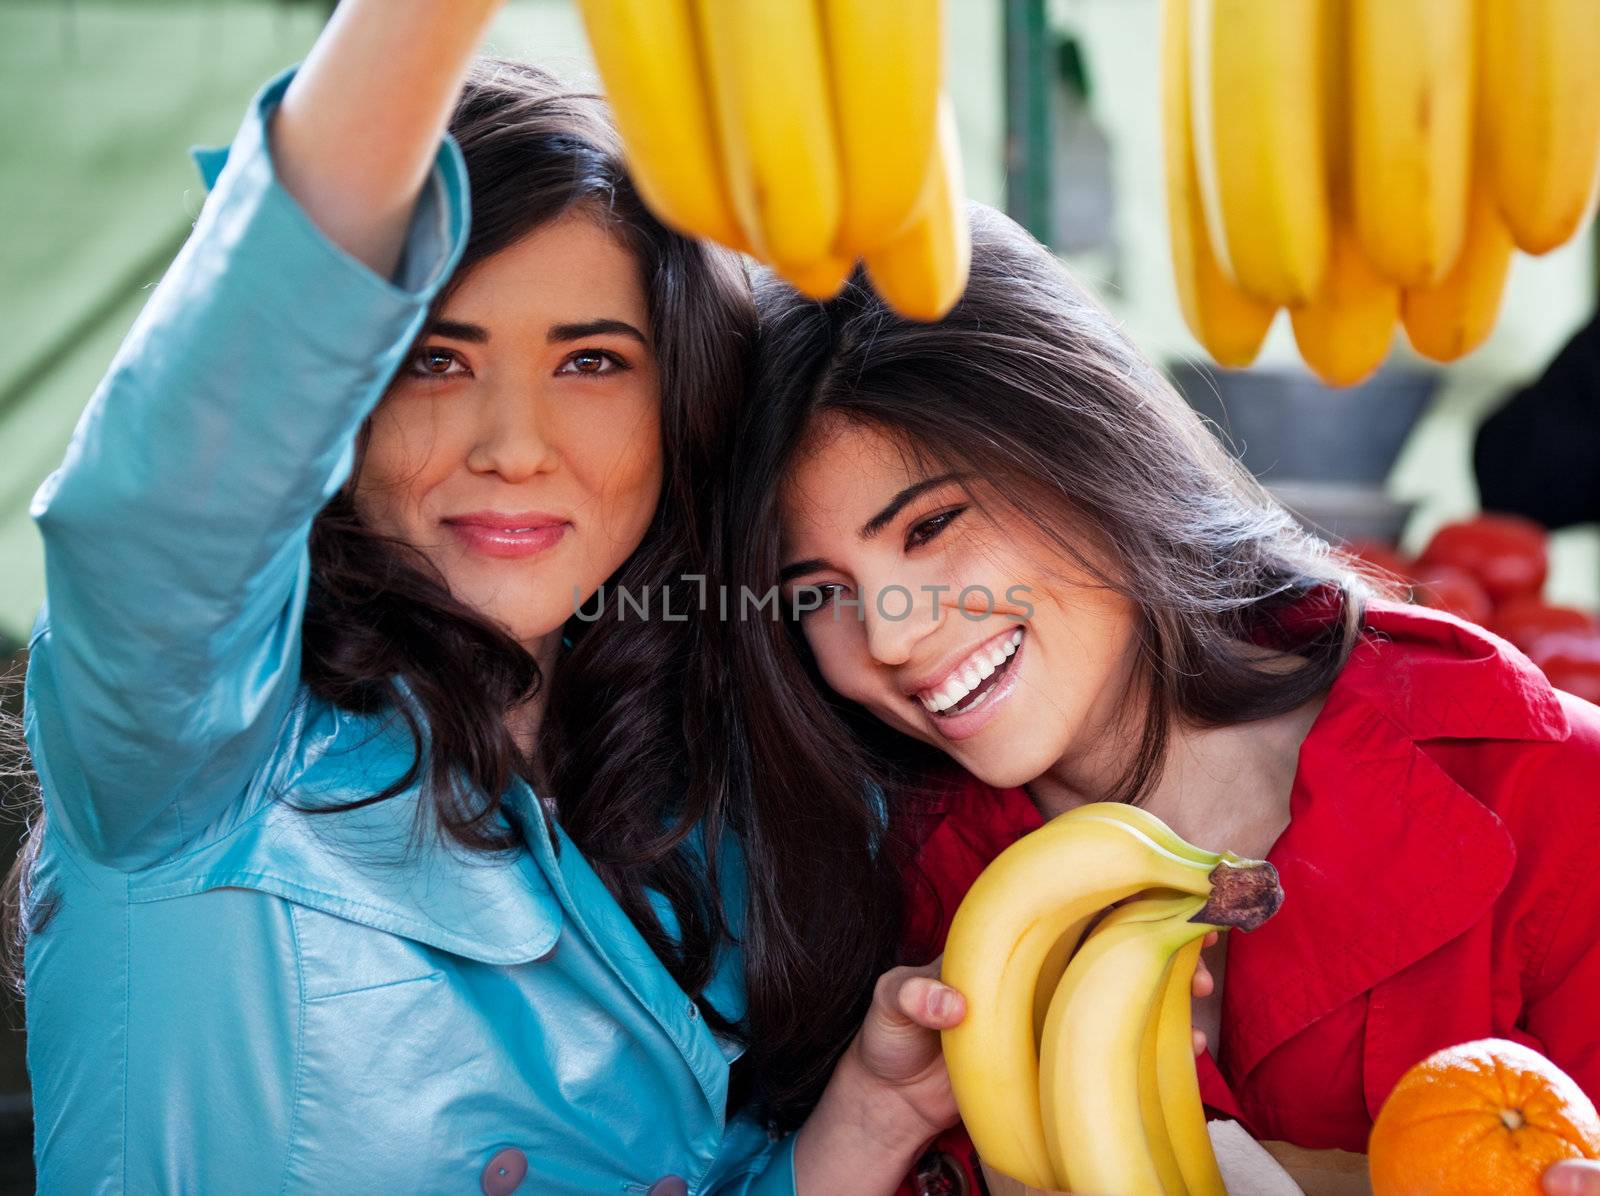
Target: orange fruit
{"x":1483,"y":1117}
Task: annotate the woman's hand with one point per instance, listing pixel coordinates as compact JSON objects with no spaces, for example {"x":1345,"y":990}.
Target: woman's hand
{"x":898,"y":1046}
{"x":1204,"y":986}
{"x":1573,"y":1177}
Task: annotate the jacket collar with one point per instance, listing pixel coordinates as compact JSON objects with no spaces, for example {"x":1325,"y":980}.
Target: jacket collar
{"x":1386,"y":858}
{"x":379,"y":865}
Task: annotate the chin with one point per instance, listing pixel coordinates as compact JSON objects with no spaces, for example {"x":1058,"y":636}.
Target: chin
{"x":1004,"y":768}
{"x":527,"y":619}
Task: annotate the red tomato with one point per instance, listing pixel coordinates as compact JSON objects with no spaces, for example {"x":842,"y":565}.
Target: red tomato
{"x":1444,"y":587}
{"x":1571,"y":660}
{"x":1525,"y":621}
{"x":1383,"y":563}
{"x":1506,"y":553}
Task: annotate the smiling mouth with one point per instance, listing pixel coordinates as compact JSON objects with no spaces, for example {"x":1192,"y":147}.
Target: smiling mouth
{"x":969,"y":686}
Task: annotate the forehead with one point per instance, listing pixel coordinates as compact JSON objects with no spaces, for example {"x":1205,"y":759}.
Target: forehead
{"x":568,"y":266}
{"x":843,"y":472}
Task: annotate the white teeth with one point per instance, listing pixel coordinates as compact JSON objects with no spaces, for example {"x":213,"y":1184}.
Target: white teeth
{"x":971,"y":673}
{"x":982,"y":698}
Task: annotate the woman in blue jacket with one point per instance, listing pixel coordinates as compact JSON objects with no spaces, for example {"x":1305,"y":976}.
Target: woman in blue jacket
{"x":298,"y":921}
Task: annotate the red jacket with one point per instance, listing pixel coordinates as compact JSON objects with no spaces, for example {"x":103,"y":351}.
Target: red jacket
{"x":1440,"y":881}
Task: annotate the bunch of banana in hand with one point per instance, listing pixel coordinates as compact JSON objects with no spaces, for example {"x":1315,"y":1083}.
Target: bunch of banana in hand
{"x":1368,"y":163}
{"x":1074,"y":1066}
{"x":809,"y":133}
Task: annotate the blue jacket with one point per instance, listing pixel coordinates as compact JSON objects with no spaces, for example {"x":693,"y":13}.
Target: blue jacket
{"x":233,"y":997}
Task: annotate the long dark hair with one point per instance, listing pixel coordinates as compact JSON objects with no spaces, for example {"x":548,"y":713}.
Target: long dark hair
{"x":1030,"y":385}
{"x":638,"y":744}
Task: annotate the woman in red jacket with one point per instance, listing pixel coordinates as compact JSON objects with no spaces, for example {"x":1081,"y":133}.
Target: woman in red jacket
{"x":1007,"y":544}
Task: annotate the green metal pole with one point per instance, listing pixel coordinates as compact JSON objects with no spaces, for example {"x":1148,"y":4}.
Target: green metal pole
{"x":1027,"y":82}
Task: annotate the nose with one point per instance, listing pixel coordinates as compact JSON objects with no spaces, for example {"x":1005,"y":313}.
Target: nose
{"x":897,"y":618}
{"x":510,"y":437}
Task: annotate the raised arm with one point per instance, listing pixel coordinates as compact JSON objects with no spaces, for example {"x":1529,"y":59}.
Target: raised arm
{"x":175,"y":530}
{"x":361,"y":122}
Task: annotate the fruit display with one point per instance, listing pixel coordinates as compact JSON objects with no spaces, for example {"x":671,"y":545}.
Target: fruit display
{"x":812,"y":134}
{"x":1076,"y":951}
{"x":1485,"y":1116}
{"x":1491,"y":570}
{"x":1371,"y":164}
{"x":1506,"y":553}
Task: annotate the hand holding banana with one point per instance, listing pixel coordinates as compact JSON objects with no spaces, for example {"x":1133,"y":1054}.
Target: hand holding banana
{"x":809,"y":133}
{"x":1371,"y":163}
{"x":1073,"y":1068}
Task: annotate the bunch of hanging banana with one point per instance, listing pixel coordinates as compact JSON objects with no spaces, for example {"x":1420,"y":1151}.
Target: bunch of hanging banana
{"x":1074,"y":1066}
{"x":808,"y":133}
{"x":1368,"y":163}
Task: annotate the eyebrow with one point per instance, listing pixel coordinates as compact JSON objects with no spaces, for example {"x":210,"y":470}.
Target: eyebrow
{"x":801,"y":568}
{"x":577,"y":332}
{"x":874,"y":525}
{"x":477,"y":334}
{"x":881,"y":520}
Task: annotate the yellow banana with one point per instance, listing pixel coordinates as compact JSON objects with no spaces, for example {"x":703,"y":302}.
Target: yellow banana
{"x":1017,"y":910}
{"x":1452,"y":319}
{"x":1178,"y":1084}
{"x":1256,"y":97}
{"x":1411,"y":101}
{"x":1162,"y":1152}
{"x":1227,"y":322}
{"x":820,"y":280}
{"x":1143,"y":820}
{"x":1055,"y":960}
{"x":923,"y":270}
{"x":1090,"y":1058}
{"x":774,"y":117}
{"x":1345,"y":331}
{"x":649,"y":59}
{"x":885,"y":59}
{"x":1539,"y":114}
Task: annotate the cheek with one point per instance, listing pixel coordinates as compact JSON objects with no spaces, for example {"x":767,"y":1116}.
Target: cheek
{"x":840,"y":650}
{"x":619,"y":465}
{"x":1093,"y":643}
{"x":407,"y":453}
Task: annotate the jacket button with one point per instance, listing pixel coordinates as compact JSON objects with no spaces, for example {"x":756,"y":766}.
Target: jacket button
{"x":504,"y":1172}
{"x":669,"y":1185}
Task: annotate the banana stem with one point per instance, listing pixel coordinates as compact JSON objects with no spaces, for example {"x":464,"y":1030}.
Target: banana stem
{"x":1242,"y":895}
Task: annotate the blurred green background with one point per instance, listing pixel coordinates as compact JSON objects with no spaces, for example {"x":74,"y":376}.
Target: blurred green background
{"x":1058,"y":105}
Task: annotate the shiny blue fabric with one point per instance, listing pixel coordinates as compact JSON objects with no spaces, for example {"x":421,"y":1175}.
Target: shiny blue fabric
{"x":234,"y":997}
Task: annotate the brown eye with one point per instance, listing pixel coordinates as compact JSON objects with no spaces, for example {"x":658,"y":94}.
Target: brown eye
{"x":432,"y":363}
{"x":922,"y":532}
{"x":594,"y":362}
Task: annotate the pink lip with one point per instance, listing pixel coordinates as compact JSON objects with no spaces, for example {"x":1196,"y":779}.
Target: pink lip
{"x":961,"y":726}
{"x":512,"y":536}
